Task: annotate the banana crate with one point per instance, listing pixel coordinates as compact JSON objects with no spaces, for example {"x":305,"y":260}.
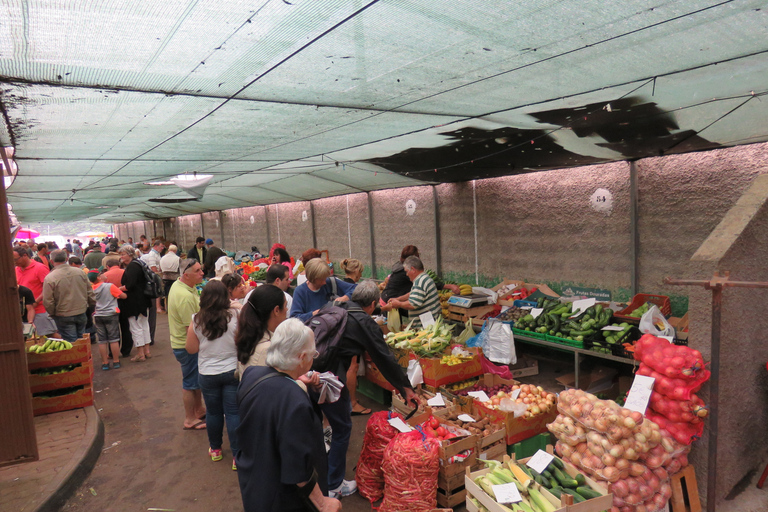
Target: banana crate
{"x":62,"y":400}
{"x":49,"y":379}
{"x":79,"y":353}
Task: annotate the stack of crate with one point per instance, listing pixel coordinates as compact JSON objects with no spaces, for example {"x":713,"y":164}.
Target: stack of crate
{"x":61,"y":380}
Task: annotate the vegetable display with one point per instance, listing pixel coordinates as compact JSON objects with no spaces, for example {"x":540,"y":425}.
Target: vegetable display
{"x":426,"y":342}
{"x":50,"y":345}
{"x":535,"y":399}
{"x":482,"y":427}
{"x":378,"y":434}
{"x":558,"y":319}
{"x":410,"y":465}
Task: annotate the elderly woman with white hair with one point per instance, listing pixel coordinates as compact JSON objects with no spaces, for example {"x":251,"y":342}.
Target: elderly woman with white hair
{"x":281,"y":463}
{"x":136,"y":305}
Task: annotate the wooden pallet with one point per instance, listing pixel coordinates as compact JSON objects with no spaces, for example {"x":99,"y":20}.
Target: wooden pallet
{"x":684,"y":486}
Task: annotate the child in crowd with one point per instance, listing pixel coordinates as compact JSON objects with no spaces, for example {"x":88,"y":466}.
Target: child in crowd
{"x":105,"y":317}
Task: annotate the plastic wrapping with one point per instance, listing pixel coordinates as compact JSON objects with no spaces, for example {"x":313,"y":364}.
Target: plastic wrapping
{"x":674,"y":361}
{"x":676,"y":389}
{"x":410,"y":467}
{"x":603,"y":416}
{"x":378,"y":434}
{"x":567,"y":430}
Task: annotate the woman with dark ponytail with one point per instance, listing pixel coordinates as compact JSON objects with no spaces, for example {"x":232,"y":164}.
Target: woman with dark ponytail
{"x":263,"y":312}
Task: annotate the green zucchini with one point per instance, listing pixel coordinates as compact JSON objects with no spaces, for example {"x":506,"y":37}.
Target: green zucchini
{"x":588,"y":492}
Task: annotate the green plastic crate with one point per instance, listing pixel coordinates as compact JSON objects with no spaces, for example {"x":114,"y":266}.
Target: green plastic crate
{"x":528,"y":447}
{"x":563,"y":341}
{"x":374,"y":392}
{"x":530,"y":334}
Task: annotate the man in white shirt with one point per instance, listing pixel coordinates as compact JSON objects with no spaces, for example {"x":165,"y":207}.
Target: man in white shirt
{"x":152,"y":259}
{"x":277,"y":275}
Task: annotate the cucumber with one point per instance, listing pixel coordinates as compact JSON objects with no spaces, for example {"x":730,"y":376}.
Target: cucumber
{"x":547,"y":474}
{"x":564,"y":479}
{"x":558,"y":463}
{"x":536,"y":476}
{"x":577,"y":498}
{"x":588,"y":492}
{"x":556,"y":491}
{"x":580,"y":478}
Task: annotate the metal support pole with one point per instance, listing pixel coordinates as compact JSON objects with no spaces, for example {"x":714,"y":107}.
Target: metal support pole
{"x":373,"y":237}
{"x":438,"y":251}
{"x":202,"y":226}
{"x":221,"y":228}
{"x":633,"y":231}
{"x":314,"y":227}
{"x":266,"y":223}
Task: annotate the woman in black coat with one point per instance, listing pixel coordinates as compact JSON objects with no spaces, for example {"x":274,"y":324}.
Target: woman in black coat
{"x":136,"y":305}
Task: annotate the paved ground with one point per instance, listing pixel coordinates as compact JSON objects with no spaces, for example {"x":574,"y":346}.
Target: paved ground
{"x":148,"y":461}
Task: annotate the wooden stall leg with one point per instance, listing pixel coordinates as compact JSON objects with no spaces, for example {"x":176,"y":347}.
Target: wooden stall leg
{"x":684,"y":485}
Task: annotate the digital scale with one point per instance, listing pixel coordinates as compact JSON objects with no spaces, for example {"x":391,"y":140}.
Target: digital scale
{"x":468,"y":301}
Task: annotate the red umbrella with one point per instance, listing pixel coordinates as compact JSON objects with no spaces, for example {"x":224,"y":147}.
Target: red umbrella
{"x":26,"y":234}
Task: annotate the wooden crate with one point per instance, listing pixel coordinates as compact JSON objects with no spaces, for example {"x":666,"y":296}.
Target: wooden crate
{"x":451,"y":499}
{"x":79,"y":353}
{"x":460,"y":314}
{"x":80,"y":376}
{"x":83,"y":397}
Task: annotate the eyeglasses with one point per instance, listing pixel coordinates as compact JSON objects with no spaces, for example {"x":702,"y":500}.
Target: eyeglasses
{"x":190,"y":264}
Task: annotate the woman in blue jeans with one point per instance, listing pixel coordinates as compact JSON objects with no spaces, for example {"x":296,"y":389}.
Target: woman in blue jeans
{"x":212,"y":334}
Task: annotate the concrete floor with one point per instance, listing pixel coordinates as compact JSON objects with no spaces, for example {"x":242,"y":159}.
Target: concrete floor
{"x":149,"y":462}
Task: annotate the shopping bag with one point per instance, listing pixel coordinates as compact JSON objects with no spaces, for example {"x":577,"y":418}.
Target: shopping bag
{"x":653,"y":322}
{"x":496,"y":341}
{"x":393,"y":320}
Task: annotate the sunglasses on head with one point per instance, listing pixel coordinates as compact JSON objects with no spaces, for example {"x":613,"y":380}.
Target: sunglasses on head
{"x":189,"y":265}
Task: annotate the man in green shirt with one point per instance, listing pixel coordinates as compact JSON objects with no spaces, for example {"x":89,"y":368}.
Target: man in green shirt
{"x":183,"y":302}
{"x":423,"y":296}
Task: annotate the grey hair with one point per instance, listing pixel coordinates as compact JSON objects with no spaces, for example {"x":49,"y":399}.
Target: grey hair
{"x":127,"y":249}
{"x":290,"y":340}
{"x":413,"y":262}
{"x":366,"y":292}
{"x":59,"y":256}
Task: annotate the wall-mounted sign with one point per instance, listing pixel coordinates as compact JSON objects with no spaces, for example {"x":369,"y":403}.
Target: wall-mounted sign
{"x":217,"y":222}
{"x":602,"y":200}
{"x":252,"y":219}
{"x":304,"y":216}
{"x":410,"y":207}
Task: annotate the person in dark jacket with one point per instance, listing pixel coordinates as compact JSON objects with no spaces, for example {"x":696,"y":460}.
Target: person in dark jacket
{"x":198,"y":251}
{"x":361,"y":334}
{"x":136,"y":305}
{"x":212,"y":255}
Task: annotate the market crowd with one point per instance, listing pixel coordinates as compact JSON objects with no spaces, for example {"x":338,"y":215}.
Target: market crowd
{"x":258,"y":358}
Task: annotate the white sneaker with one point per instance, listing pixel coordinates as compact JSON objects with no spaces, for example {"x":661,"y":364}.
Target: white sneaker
{"x":327,"y":435}
{"x":347,"y":488}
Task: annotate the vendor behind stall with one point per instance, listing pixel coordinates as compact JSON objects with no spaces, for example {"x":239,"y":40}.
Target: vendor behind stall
{"x":423,"y":296}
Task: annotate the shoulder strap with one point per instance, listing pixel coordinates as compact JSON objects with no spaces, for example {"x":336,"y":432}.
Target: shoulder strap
{"x":334,"y":289}
{"x":261,"y":379}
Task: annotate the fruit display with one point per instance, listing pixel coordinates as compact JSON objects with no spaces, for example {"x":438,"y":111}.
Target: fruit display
{"x":444,"y":296}
{"x":466,"y":289}
{"x":481,"y":427}
{"x":54,"y":371}
{"x":558,"y":320}
{"x":49,"y":345}
{"x":458,"y":355}
{"x":433,"y":429}
{"x":458,"y":386}
{"x":639,"y":312}
{"x":536,"y":400}
{"x":433,"y":275}
{"x":512,"y":314}
{"x":520,"y":293}
{"x":426,"y":342}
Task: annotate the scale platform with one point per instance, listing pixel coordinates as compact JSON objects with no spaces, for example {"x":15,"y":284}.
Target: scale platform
{"x":468,"y":301}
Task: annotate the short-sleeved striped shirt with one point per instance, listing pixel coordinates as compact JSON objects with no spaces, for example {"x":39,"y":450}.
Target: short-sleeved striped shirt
{"x":423,"y":298}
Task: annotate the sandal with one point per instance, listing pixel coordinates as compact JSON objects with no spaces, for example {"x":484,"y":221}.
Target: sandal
{"x":200,"y":425}
{"x":362,"y":411}
{"x":138,"y":359}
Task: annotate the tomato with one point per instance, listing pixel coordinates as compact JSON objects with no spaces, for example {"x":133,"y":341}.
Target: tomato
{"x":450,"y":435}
{"x":441,"y":431}
{"x":434,"y":422}
{"x":429,"y":431}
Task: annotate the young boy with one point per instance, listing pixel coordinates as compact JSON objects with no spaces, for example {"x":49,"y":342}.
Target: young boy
{"x":105,"y":317}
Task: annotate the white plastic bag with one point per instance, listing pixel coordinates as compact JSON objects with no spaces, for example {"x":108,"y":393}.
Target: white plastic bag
{"x":415,"y":374}
{"x":393,"y":320}
{"x":498,"y":344}
{"x":653,"y":322}
{"x":492,"y":295}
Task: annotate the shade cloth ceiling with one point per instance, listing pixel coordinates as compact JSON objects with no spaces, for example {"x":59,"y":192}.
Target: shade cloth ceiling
{"x":285,"y":100}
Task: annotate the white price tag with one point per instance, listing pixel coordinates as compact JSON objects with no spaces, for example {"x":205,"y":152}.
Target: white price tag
{"x":480,"y":395}
{"x":436,"y":401}
{"x":612,"y":328}
{"x":668,"y":338}
{"x":540,"y":461}
{"x":535,"y":312}
{"x":427,"y":320}
{"x":506,"y":493}
{"x":400,"y":425}
{"x":515,"y":394}
{"x":582,"y":305}
{"x":639,"y":394}
{"x":466,"y":418}
{"x":504,"y":308}
{"x":483,"y":456}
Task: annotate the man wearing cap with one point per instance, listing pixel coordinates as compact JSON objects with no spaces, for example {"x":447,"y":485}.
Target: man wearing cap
{"x":67,"y":294}
{"x":212,"y":255}
{"x":198,"y":251}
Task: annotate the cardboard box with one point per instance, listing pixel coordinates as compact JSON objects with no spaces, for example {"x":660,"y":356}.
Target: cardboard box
{"x":525,"y":367}
{"x":77,"y":400}
{"x":541,"y":287}
{"x":437,"y":374}
{"x":80,"y":376}
{"x":600,"y":380}
{"x":504,"y":283}
{"x":79,"y":353}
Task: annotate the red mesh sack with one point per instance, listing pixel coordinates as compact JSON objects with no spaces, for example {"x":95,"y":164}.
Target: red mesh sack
{"x":679,"y":411}
{"x":677,"y":463}
{"x":675,"y":361}
{"x":683,"y":433}
{"x":378,"y":434}
{"x":676,"y":389}
{"x":410,"y":466}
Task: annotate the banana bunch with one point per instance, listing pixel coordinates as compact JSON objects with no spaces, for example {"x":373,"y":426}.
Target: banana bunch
{"x":466,"y":289}
{"x":533,"y":500}
{"x":50,"y":345}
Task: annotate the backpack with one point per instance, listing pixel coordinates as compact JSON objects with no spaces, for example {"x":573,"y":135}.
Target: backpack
{"x":153,"y":288}
{"x":328,"y":326}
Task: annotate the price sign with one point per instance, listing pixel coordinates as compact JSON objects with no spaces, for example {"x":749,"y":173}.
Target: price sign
{"x":427,"y":320}
{"x":480,"y":395}
{"x":506,"y":493}
{"x":668,"y":338}
{"x":466,"y":418}
{"x":400,"y":425}
{"x":436,"y":401}
{"x":612,"y":328}
{"x":582,"y":305}
{"x":535,"y":312}
{"x":639,"y":394}
{"x":515,"y":394}
{"x":540,"y":461}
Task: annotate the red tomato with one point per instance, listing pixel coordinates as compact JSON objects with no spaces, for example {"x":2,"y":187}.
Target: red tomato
{"x":450,"y":435}
{"x":441,"y":431}
{"x":429,"y":431}
{"x":434,"y":422}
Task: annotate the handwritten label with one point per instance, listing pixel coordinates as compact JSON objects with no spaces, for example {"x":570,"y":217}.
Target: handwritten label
{"x":400,"y":425}
{"x":506,"y":493}
{"x":480,"y":395}
{"x":427,"y":320}
{"x":466,"y":418}
{"x":612,"y":328}
{"x":535,"y":312}
{"x":582,"y":305}
{"x":639,"y":394}
{"x":540,"y":461}
{"x":436,"y":401}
